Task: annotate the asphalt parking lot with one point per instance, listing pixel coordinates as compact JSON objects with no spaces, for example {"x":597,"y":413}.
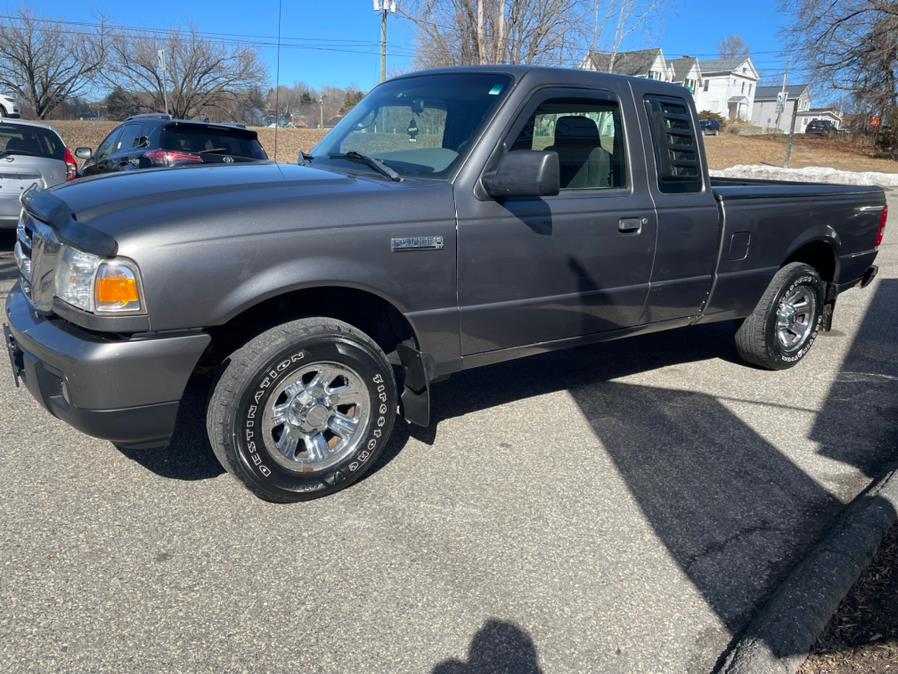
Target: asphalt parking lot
{"x":624,"y":507}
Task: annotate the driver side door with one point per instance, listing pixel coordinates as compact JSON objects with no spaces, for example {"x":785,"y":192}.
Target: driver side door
{"x":534,"y":270}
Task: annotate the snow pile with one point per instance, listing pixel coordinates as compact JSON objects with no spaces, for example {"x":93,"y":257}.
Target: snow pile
{"x":811,"y":174}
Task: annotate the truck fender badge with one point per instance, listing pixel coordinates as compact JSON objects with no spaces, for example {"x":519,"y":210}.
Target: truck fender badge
{"x":416,"y":243}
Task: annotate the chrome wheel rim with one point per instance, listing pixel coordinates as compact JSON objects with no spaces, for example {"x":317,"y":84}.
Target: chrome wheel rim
{"x":795,"y":317}
{"x":316,"y":417}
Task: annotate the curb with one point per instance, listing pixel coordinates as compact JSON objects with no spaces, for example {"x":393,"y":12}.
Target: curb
{"x":778,"y":638}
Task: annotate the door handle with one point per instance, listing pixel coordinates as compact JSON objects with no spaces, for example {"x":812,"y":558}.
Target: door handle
{"x":631,"y":225}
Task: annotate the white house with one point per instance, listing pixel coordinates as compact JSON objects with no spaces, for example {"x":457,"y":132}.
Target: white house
{"x":798,"y":99}
{"x":728,"y":88}
{"x":648,"y":63}
{"x":687,"y":72}
{"x":809,"y":115}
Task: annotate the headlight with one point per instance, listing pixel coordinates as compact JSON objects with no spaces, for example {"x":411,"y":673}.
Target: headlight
{"x":98,"y":285}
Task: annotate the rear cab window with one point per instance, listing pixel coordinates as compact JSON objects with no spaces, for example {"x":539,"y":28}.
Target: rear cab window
{"x":677,"y":157}
{"x":199,"y":138}
{"x":35,"y":141}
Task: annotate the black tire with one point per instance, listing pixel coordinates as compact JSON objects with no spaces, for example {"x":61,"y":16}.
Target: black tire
{"x":253,"y":375}
{"x":757,"y":339}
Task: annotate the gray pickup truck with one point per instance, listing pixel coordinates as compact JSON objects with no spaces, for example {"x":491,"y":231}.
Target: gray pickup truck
{"x":454,"y":219}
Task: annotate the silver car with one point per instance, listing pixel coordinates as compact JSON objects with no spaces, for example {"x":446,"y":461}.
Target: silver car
{"x":31,"y":153}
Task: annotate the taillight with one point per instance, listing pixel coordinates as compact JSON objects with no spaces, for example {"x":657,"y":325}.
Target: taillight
{"x":172,"y":157}
{"x":71,"y":166}
{"x":882,"y":227}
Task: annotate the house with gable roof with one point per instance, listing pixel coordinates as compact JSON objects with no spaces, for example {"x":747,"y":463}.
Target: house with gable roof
{"x":723,"y":86}
{"x":648,"y":63}
{"x":728,"y":88}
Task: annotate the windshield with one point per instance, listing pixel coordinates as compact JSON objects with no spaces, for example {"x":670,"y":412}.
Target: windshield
{"x":418,"y":126}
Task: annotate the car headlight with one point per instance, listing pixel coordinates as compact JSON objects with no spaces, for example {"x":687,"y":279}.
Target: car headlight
{"x":98,"y":285}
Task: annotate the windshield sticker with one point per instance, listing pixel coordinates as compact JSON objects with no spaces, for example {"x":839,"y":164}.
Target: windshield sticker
{"x":496,"y":90}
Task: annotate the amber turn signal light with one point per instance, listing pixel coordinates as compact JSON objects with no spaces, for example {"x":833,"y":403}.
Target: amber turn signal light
{"x":116,"y":288}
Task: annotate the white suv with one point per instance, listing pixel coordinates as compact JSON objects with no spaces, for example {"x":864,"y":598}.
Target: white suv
{"x":8,"y":107}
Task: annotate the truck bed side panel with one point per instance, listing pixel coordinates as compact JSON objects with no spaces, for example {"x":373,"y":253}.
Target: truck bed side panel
{"x":766,"y":224}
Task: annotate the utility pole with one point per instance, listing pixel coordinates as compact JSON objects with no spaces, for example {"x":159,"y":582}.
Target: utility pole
{"x":781,"y":100}
{"x":321,"y":112}
{"x":161,"y":55}
{"x":791,"y":134}
{"x":384,"y":7}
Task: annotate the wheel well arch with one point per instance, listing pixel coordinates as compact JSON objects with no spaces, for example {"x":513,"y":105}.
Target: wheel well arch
{"x":819,"y":254}
{"x":377,"y":317}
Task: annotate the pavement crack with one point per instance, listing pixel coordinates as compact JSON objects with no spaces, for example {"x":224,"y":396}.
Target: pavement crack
{"x":719,"y":546}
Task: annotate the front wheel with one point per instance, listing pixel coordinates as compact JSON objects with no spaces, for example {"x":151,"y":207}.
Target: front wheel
{"x":303,"y":410}
{"x":783,"y":326}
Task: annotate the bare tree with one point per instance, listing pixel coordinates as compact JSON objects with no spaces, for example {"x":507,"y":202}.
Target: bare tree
{"x":618,"y":19}
{"x":45,"y":64}
{"x":465,"y":32}
{"x":200,"y":73}
{"x":552,"y":32}
{"x":851,"y":45}
{"x":733,"y":47}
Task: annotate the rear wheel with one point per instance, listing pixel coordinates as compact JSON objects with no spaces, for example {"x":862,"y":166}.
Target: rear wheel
{"x":783,"y":326}
{"x":302,"y":410}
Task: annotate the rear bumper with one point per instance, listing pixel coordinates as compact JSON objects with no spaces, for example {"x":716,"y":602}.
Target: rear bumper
{"x":865,"y":279}
{"x":123,"y":390}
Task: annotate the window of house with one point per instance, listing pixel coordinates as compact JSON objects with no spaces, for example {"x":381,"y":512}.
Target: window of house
{"x":707,"y":84}
{"x":588,"y":136}
{"x":743,"y":87}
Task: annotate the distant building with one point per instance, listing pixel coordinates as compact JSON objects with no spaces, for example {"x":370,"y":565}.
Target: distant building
{"x":648,"y":63}
{"x":804,"y":118}
{"x":798,"y":99}
{"x":728,"y":88}
{"x":687,"y":72}
{"x":723,"y":86}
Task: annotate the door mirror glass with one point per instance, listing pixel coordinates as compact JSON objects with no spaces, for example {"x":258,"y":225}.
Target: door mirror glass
{"x":84,"y":153}
{"x":524,"y":173}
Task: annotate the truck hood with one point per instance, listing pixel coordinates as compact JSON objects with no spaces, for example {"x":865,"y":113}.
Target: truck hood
{"x":119,"y":204}
{"x":169,"y":206}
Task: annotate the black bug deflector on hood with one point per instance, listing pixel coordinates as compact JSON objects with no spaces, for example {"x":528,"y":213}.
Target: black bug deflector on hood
{"x":49,"y":208}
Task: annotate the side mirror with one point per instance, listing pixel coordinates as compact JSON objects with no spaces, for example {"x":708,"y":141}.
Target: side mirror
{"x":524,"y":173}
{"x":143,"y":141}
{"x":84,"y":153}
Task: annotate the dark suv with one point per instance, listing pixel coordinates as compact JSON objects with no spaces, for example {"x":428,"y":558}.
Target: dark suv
{"x":157,"y":140}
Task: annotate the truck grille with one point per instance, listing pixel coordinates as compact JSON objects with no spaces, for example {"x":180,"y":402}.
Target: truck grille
{"x":23,"y":252}
{"x":37,"y":251}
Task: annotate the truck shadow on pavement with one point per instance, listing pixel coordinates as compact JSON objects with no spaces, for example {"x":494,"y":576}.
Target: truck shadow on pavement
{"x":732,"y":510}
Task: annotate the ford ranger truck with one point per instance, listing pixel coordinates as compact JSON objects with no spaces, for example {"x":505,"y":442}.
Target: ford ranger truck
{"x":453,"y":219}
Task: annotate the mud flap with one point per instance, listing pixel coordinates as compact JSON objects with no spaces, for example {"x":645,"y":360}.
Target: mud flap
{"x":414,"y":403}
{"x":829,"y":307}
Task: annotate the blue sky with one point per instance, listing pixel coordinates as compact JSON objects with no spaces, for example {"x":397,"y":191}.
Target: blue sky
{"x":337,"y":42}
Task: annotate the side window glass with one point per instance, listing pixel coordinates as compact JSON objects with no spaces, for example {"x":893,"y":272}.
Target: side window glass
{"x":676,"y":147}
{"x":108,"y":143}
{"x":131,"y":134}
{"x":587,"y":134}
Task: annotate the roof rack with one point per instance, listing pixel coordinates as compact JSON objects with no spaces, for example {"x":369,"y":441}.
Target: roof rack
{"x":150,"y":115}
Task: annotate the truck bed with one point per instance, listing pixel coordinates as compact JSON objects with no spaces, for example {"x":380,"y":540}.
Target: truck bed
{"x":753,"y":188}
